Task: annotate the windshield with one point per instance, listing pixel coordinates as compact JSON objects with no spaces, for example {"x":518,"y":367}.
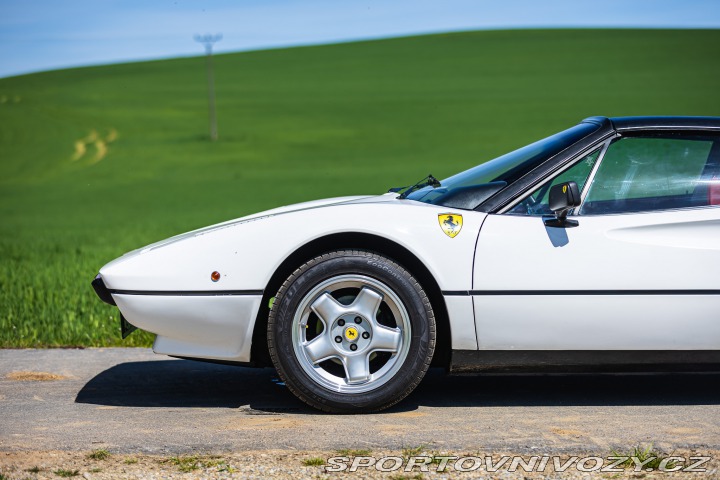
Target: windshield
{"x":499,"y":172}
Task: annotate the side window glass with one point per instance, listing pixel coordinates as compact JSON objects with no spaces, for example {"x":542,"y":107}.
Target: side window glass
{"x":652,"y":173}
{"x":537,"y":203}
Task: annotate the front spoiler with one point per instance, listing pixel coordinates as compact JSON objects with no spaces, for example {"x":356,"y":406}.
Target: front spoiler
{"x":102,"y":291}
{"x":126,"y":327}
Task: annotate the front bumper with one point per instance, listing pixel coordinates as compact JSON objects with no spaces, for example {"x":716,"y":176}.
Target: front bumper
{"x":102,"y":291}
{"x":208,"y":325}
{"x":217,"y":327}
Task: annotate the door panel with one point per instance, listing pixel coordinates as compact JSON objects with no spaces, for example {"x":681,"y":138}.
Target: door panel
{"x":635,"y":281}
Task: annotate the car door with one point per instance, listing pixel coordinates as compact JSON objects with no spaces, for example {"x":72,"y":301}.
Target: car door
{"x":641,"y":271}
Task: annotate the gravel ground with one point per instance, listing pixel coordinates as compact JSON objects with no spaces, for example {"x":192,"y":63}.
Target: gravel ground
{"x":257,"y":465}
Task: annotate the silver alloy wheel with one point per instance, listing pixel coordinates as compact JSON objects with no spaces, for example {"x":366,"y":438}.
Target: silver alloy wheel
{"x":351,"y":334}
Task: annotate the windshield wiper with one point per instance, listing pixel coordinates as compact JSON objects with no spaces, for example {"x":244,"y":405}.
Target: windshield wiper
{"x":428,"y":181}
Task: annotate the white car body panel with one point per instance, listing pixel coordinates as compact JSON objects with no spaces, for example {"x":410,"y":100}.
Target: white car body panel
{"x":248,"y":251}
{"x":669,"y":252}
{"x":213,"y":327}
{"x":623,"y":323}
{"x":460,"y":310}
{"x":245,"y":219}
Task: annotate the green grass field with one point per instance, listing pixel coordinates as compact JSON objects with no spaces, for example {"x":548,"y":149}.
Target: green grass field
{"x":97,"y":161}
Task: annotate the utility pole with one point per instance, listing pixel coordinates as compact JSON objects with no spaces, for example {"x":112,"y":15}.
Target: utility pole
{"x":208,"y":41}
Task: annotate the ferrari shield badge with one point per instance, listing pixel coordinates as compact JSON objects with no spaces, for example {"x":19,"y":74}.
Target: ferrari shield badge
{"x":451,"y":223}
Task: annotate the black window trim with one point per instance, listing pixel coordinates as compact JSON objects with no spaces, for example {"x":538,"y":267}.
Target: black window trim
{"x":548,"y":169}
{"x":602,"y":146}
{"x":504,"y":200}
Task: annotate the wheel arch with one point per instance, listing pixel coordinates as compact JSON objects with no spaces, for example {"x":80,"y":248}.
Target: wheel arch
{"x":361,"y":241}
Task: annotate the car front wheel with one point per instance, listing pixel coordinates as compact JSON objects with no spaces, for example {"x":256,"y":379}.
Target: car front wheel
{"x":351,"y":332}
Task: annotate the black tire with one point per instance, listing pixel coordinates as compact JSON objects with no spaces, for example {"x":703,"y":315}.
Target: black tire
{"x":324,"y":268}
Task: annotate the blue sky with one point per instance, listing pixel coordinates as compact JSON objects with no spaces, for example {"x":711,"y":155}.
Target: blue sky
{"x":46,"y":34}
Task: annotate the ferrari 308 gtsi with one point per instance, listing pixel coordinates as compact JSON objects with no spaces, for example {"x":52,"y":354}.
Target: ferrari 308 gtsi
{"x":597,"y":248}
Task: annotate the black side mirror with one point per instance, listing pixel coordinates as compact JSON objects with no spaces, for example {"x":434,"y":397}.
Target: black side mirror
{"x":563,"y":197}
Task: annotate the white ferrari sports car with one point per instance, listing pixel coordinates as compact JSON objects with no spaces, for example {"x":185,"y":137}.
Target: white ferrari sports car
{"x":597,"y":248}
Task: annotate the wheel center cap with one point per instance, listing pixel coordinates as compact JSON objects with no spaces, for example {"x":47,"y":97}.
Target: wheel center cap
{"x":351,"y":334}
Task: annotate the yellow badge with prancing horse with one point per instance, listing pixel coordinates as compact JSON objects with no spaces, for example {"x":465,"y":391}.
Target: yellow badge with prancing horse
{"x":351,"y":333}
{"x":451,"y":223}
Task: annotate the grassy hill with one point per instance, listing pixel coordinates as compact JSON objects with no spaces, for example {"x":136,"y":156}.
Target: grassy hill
{"x":98,"y":161}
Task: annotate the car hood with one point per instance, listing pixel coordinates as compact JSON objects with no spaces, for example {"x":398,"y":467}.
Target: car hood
{"x":388,"y":197}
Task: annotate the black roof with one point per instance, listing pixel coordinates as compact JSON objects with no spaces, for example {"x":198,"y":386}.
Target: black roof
{"x":657,"y":123}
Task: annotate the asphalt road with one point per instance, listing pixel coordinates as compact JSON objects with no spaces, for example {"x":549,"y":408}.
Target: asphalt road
{"x":130,"y":400}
